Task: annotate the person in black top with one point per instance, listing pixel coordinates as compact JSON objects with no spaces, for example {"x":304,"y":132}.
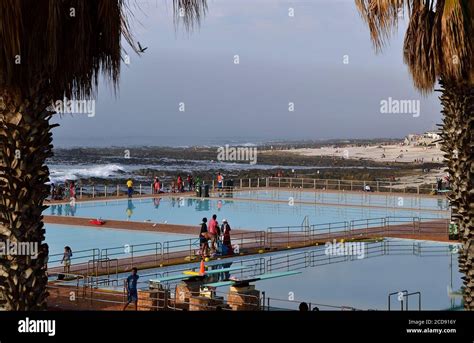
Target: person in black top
{"x":203,"y":238}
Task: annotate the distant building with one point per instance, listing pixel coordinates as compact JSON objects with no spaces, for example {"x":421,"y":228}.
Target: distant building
{"x":428,"y":138}
{"x":411,"y":139}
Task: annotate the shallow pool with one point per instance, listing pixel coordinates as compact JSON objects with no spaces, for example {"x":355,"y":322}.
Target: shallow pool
{"x":388,"y":266}
{"x":366,"y":283}
{"x":241,"y":214}
{"x":81,"y":238}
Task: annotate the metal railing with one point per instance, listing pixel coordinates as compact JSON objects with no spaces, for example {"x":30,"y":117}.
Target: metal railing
{"x":134,"y":251}
{"x":349,"y":185}
{"x":319,"y":256}
{"x":403,"y":297}
{"x":144,"y":188}
{"x":303,"y":235}
{"x":79,"y":256}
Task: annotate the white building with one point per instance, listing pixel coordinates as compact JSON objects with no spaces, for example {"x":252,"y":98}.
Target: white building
{"x":428,"y":138}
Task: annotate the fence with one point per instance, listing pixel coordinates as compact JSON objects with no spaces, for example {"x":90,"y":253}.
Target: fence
{"x":349,"y":185}
{"x":318,"y":256}
{"x":304,"y":235}
{"x":94,"y":262}
{"x":116,"y":190}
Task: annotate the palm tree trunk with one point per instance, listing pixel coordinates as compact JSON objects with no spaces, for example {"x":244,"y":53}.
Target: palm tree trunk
{"x":25,"y":143}
{"x":458,"y":145}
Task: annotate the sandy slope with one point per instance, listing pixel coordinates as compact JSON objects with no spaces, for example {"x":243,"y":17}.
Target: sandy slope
{"x":375,"y":153}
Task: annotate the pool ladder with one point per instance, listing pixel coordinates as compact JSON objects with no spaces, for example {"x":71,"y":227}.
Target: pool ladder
{"x":96,"y":265}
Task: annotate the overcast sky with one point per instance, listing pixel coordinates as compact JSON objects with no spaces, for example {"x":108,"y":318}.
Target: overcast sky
{"x":283,"y":59}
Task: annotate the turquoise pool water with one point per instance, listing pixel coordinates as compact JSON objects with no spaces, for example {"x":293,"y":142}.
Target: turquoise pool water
{"x":367,"y":199}
{"x":81,"y":238}
{"x":390,"y":266}
{"x":366,"y":283}
{"x":241,"y":214}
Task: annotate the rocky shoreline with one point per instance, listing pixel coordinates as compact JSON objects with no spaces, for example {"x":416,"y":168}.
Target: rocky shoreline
{"x":144,"y":163}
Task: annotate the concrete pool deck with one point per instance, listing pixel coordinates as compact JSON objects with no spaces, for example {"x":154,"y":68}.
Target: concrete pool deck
{"x":190,"y":229}
{"x":128,"y":225}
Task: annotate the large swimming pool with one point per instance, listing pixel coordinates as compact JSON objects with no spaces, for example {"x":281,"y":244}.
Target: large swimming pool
{"x":402,"y":201}
{"x":241,"y":214}
{"x":388,"y":266}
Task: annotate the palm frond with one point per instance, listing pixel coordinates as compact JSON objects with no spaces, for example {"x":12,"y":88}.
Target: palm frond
{"x":456,"y":39}
{"x":438,"y":41}
{"x":381,"y":17}
{"x":189,"y":12}
{"x":417,"y":46}
{"x":64,"y":45}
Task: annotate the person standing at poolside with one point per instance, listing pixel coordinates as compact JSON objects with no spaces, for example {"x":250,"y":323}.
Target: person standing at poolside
{"x":130,"y":187}
{"x":72,"y":190}
{"x":203,"y":238}
{"x":67,"y":259}
{"x":156,"y":186}
{"x":180,"y":183}
{"x":220,"y":181}
{"x":225,"y":231}
{"x":190,"y":182}
{"x":213,"y":232}
{"x":132,"y":291}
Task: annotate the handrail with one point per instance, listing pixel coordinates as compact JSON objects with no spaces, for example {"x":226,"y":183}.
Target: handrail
{"x":77,"y":255}
{"x":145,"y":188}
{"x":396,"y":293}
{"x":405,"y":295}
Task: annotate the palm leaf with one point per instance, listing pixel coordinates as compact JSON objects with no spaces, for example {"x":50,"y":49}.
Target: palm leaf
{"x":438,"y":42}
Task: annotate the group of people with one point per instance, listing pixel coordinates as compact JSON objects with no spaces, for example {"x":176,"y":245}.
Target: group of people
{"x":60,"y":193}
{"x":220,"y":243}
{"x":279,"y":174}
{"x":179,"y":185}
{"x":218,"y":236}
